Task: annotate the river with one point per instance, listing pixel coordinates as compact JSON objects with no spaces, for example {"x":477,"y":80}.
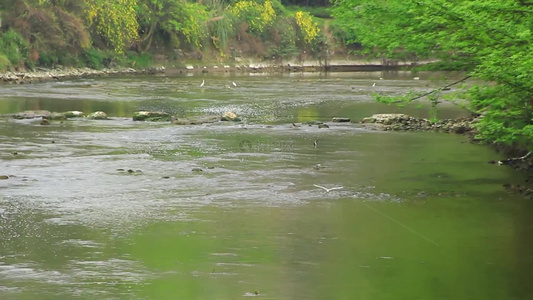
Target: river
{"x":117,"y":209}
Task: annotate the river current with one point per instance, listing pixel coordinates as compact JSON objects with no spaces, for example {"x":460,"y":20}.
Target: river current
{"x":119,"y":209}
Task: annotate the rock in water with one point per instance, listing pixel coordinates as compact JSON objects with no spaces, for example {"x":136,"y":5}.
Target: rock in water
{"x":98,"y":115}
{"x":341,"y":120}
{"x":314,"y":122}
{"x":74,"y":114}
{"x":152,"y":116}
{"x":230,"y":116}
{"x":55,"y":117}
{"x":386,"y":119}
{"x":196,"y":120}
{"x":31,"y":114}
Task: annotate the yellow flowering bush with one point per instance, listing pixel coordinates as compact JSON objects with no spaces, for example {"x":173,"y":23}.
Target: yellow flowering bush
{"x":256,"y":15}
{"x":115,"y":21}
{"x":308,"y":27}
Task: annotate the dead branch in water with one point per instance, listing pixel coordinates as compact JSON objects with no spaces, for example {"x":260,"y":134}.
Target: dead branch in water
{"x":510,"y":161}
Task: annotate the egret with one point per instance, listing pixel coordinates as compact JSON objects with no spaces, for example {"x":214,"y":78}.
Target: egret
{"x":373,"y":85}
{"x":234,"y":84}
{"x":202,"y":84}
{"x":330,"y":189}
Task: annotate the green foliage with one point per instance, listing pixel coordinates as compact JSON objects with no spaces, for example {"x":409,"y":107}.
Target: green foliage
{"x":51,"y":59}
{"x":283,"y":38}
{"x":115,"y":22}
{"x":96,"y":59}
{"x":47,"y":59}
{"x":178,"y":20}
{"x":339,"y":33}
{"x":193,"y":23}
{"x":141,"y":60}
{"x":257,"y":16}
{"x":222,"y":26}
{"x":14,"y":47}
{"x":308,"y":28}
{"x":315,"y":11}
{"x":492,"y":39}
{"x":450,"y":65}
{"x":47,"y":26}
{"x":4,"y":63}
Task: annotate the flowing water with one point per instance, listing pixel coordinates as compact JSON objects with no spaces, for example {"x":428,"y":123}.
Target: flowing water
{"x":118,"y":209}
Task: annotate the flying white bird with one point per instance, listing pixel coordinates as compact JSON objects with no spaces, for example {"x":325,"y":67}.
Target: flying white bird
{"x":202,"y":84}
{"x":234,"y":84}
{"x":330,"y":189}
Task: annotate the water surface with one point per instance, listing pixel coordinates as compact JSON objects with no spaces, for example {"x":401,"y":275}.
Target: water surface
{"x":113,"y":209}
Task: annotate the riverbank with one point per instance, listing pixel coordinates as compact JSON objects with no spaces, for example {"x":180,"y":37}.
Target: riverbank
{"x":43,"y":75}
{"x":240,"y":65}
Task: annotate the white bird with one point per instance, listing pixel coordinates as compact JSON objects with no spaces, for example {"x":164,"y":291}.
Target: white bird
{"x":330,"y":189}
{"x":234,"y":84}
{"x":373,"y":85}
{"x":202,"y":84}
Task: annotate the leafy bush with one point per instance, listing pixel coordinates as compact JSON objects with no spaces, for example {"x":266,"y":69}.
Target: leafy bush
{"x":47,"y":59}
{"x":4,"y":63}
{"x":140,"y":60}
{"x":283,"y":38}
{"x":14,"y":47}
{"x":308,"y":27}
{"x":339,"y":33}
{"x":96,"y":59}
{"x":257,"y":16}
{"x":315,"y":11}
{"x":221,"y":28}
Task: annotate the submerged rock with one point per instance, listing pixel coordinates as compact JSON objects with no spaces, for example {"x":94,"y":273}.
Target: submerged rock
{"x":323,"y":126}
{"x":151,"y":116}
{"x":230,"y":116}
{"x":98,"y":115}
{"x":341,"y":120}
{"x":45,"y":121}
{"x":4,"y":177}
{"x":74,"y":114}
{"x":55,"y":117}
{"x":196,"y":120}
{"x":314,"y":122}
{"x":31,"y":114}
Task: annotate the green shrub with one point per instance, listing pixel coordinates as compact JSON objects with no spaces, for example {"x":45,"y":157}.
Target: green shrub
{"x":315,"y":11}
{"x":47,"y":59}
{"x":140,"y":60}
{"x":14,"y":47}
{"x":283,"y":38}
{"x":95,"y":59}
{"x":4,"y":63}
